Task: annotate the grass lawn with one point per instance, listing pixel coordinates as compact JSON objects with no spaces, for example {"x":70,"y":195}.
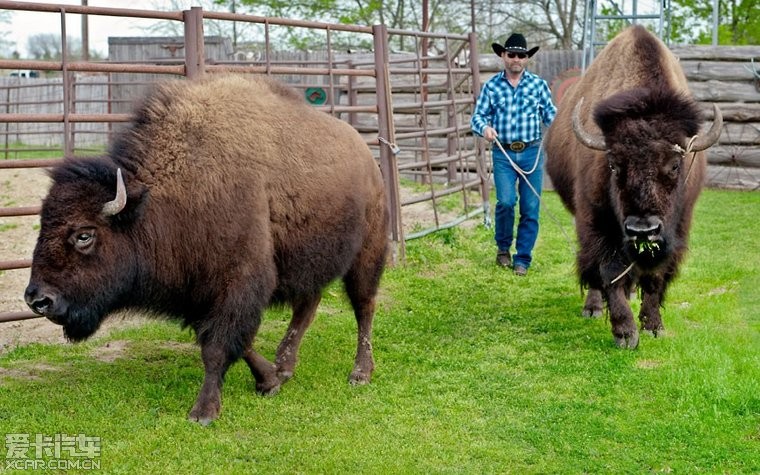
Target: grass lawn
{"x":477,"y":371}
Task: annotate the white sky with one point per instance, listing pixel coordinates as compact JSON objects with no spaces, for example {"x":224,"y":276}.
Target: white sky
{"x":24,"y":24}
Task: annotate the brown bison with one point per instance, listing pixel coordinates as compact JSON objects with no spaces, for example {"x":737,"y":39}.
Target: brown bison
{"x":231,"y":194}
{"x":631,"y":176}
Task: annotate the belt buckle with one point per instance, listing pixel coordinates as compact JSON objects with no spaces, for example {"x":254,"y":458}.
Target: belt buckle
{"x":517,"y":146}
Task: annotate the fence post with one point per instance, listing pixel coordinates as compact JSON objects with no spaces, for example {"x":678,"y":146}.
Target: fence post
{"x":353,"y":96}
{"x":72,"y":86}
{"x":480,"y":159}
{"x":194,"y":54}
{"x":386,"y":131}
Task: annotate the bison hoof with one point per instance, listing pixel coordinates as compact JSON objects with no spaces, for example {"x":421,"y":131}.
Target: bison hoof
{"x":630,"y":342}
{"x":268,"y":388}
{"x":204,"y":418}
{"x":358,"y":377}
{"x":284,"y":376}
{"x":591,"y":312}
{"x":655,"y":332}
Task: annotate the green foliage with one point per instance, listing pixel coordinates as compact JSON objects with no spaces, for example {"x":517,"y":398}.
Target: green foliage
{"x":739,"y":22}
{"x":478,"y":371}
{"x":18,"y":150}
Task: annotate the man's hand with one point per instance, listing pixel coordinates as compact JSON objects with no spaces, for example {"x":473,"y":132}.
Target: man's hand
{"x":489,"y":133}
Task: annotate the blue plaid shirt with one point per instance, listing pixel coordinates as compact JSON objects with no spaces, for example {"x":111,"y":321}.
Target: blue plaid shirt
{"x":515,"y":112}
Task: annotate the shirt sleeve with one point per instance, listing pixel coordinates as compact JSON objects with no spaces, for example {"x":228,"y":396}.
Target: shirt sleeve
{"x":549,"y":109}
{"x":483,"y":111}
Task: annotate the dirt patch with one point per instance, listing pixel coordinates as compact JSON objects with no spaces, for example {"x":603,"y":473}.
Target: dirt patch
{"x":28,"y":373}
{"x":118,"y":349}
{"x":423,"y":215}
{"x":111,"y":351}
{"x":21,"y":187}
{"x":18,"y":234}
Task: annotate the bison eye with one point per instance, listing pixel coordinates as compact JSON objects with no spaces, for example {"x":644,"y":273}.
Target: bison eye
{"x":83,"y":239}
{"x":671,"y":168}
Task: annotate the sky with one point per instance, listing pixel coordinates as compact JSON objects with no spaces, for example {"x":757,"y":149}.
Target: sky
{"x":24,"y":24}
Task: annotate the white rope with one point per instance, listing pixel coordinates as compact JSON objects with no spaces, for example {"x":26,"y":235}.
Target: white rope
{"x":627,"y":270}
{"x":693,"y":156}
{"x":514,"y":165}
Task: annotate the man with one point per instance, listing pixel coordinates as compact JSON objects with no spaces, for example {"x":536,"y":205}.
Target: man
{"x":511,"y":108}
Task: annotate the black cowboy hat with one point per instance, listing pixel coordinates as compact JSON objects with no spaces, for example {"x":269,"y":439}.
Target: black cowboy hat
{"x":515,"y":44}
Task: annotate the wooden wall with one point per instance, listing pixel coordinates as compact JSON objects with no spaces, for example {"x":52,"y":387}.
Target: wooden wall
{"x":724,"y":75}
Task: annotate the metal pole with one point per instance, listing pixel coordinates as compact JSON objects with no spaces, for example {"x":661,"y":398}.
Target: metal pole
{"x":472,"y":15}
{"x":480,"y":159}
{"x":85,"y":36}
{"x":194,"y":54}
{"x":386,"y":132}
{"x":716,"y":6}
{"x":68,"y":148}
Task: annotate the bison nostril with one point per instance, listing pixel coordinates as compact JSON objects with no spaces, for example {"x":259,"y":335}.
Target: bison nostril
{"x":649,"y":228}
{"x":37,"y":300}
{"x":40,"y":305}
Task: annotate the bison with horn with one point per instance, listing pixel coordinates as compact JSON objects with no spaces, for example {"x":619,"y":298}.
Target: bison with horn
{"x":626,"y":157}
{"x":231,"y":194}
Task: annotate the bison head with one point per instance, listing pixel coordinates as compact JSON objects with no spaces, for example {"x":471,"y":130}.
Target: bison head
{"x":645,"y":139}
{"x":84,"y":260}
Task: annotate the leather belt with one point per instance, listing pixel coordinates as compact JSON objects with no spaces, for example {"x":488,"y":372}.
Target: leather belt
{"x":520,"y":146}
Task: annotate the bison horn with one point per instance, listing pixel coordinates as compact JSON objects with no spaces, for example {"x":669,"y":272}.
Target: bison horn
{"x":712,"y":135}
{"x":114,"y":206}
{"x":592,"y":141}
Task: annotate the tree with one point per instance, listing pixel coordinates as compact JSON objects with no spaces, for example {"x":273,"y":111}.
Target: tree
{"x":553,"y":23}
{"x":48,"y":47}
{"x":238,"y":32}
{"x":739,"y":22}
{"x":6,"y":45}
{"x":549,"y":23}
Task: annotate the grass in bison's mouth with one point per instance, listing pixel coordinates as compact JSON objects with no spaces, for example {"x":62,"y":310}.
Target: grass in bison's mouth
{"x":646,"y":247}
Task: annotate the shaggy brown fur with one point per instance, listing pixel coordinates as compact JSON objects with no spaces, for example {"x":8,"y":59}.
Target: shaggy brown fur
{"x":239,"y":195}
{"x":640,"y":192}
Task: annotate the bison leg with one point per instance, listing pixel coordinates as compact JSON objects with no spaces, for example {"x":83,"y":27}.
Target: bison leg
{"x":623,"y":326}
{"x":594,"y":305}
{"x":265,"y":373}
{"x":364,"y":364}
{"x":304,"y":310}
{"x":216,"y":361}
{"x":651,"y":298}
{"x":361,"y":286}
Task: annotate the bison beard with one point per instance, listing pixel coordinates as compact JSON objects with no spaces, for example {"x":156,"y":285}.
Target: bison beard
{"x":221,"y":198}
{"x":626,"y":178}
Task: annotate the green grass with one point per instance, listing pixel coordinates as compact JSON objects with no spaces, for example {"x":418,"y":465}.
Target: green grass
{"x":20,"y":150}
{"x":478,"y":371}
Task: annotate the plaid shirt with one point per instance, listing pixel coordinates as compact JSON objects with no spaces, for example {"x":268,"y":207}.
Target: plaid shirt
{"x":515,"y":112}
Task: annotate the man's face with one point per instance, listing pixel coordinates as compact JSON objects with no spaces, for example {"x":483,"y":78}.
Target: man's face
{"x":514,"y":62}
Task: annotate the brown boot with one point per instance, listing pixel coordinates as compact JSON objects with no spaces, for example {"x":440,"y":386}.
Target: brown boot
{"x":520,"y":270}
{"x":504,"y":259}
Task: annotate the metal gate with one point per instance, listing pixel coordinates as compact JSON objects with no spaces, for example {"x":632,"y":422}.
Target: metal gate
{"x":412,"y":107}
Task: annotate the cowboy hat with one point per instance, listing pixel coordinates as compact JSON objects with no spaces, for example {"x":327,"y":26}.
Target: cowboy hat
{"x":515,"y":44}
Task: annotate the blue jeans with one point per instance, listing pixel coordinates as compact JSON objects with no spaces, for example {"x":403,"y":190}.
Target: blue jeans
{"x":508,"y":185}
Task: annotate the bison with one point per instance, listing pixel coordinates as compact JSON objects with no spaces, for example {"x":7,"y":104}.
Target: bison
{"x":630,"y":176}
{"x":231,"y":194}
